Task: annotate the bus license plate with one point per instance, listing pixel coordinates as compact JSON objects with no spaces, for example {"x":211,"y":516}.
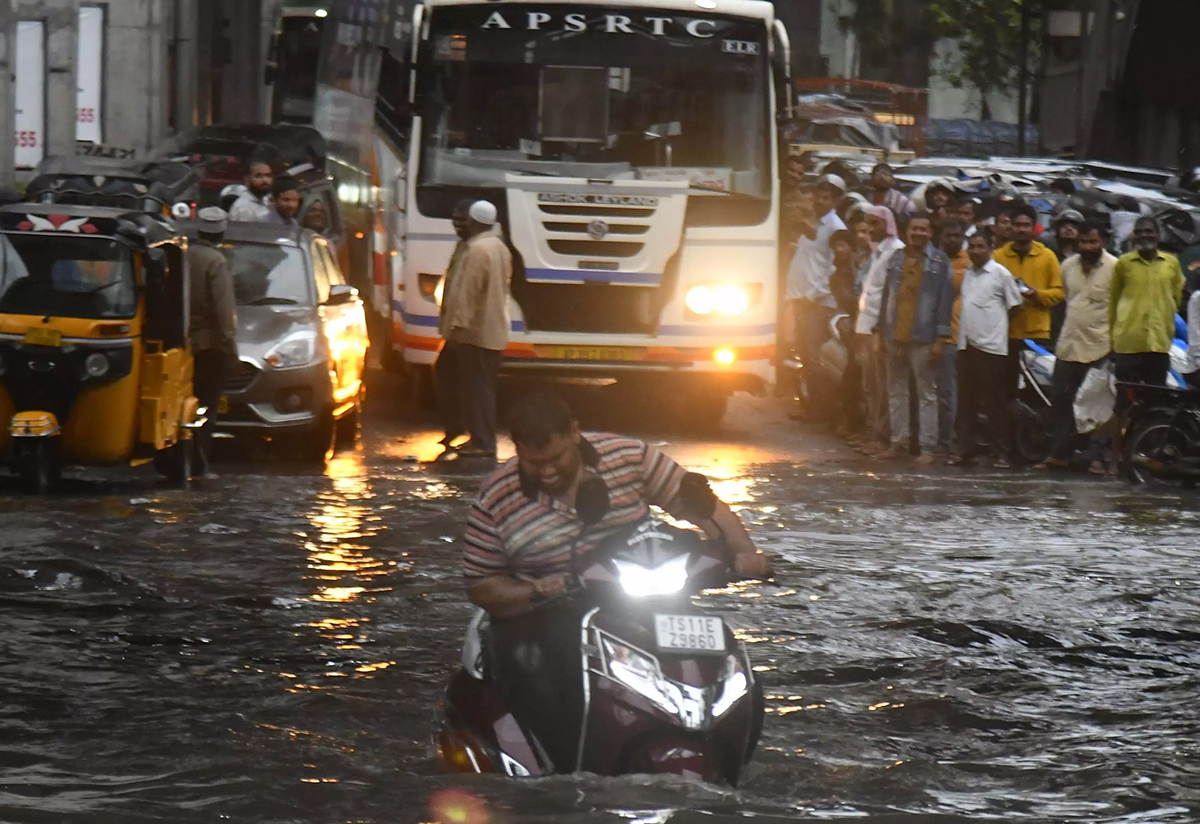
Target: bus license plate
{"x":592,"y":353}
{"x":690,"y":633}
{"x":38,"y":336}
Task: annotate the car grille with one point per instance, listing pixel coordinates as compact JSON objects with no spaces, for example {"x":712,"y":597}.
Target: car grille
{"x":240,"y":378}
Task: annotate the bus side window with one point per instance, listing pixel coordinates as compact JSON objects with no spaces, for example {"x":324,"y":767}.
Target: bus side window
{"x":321,"y":271}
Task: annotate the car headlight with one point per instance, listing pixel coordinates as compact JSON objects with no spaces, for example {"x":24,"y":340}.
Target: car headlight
{"x":733,"y":687}
{"x":96,"y":365}
{"x":728,"y":299}
{"x":297,"y":350}
{"x":640,"y":582}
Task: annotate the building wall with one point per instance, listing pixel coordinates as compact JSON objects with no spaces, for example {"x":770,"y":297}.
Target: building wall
{"x":947,"y":102}
{"x":167,"y":65}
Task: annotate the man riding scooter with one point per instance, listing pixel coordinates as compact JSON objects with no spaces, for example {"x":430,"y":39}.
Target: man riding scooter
{"x":525,"y":539}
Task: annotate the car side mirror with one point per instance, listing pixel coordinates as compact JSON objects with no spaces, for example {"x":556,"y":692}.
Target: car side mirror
{"x":341,"y":294}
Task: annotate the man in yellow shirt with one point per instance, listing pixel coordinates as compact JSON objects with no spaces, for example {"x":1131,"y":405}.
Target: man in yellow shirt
{"x":1040,"y":280}
{"x":1147,"y":285}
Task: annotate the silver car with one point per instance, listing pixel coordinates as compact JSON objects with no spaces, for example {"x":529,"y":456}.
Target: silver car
{"x":302,"y":341}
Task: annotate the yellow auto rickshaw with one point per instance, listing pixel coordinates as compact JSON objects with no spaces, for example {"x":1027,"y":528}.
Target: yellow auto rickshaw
{"x":95,"y":367}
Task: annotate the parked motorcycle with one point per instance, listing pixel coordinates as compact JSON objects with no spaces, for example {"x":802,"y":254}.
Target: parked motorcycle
{"x":667,"y":688}
{"x":1162,"y":439}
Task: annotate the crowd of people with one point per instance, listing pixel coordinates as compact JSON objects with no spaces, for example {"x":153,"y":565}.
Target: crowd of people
{"x":935,"y":301}
{"x":267,"y":198}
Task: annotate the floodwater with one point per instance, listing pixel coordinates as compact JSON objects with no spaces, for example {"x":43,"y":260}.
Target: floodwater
{"x":939,"y":646}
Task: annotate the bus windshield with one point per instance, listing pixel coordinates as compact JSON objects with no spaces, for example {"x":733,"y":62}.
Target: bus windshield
{"x":66,"y":277}
{"x":588,"y":92}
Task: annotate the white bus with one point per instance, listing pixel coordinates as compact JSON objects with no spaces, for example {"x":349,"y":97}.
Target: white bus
{"x":631,"y":150}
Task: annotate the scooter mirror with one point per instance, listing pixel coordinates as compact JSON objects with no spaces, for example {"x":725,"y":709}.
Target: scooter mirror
{"x":591,"y":500}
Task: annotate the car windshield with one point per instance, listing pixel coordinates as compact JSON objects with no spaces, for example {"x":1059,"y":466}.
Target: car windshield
{"x":266,"y":274}
{"x":66,"y":277}
{"x":553,"y":90}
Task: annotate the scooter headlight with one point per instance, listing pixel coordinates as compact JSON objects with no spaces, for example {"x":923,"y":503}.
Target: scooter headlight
{"x":640,"y":673}
{"x":97,"y":365}
{"x":640,"y":582}
{"x":734,"y":687}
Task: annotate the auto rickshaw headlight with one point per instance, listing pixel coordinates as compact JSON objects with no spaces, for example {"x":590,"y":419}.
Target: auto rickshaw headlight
{"x":97,"y":365}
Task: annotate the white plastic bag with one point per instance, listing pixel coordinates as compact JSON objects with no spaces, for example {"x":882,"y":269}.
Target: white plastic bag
{"x":1096,"y":399}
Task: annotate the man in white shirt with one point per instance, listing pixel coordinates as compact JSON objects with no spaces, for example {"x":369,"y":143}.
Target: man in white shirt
{"x":1084,"y":340}
{"x":1193,"y":325}
{"x":989,"y":294}
{"x":808,"y":275}
{"x":874,"y":365}
{"x":253,"y":203}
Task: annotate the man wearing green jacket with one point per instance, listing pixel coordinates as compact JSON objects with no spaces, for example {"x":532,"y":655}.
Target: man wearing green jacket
{"x":1147,"y":285}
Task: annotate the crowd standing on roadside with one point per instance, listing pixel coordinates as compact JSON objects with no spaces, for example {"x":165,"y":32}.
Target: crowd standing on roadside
{"x":939,"y":308}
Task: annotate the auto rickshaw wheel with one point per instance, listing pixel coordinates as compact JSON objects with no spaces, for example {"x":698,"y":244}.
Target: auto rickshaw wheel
{"x":37,"y":464}
{"x":175,"y":463}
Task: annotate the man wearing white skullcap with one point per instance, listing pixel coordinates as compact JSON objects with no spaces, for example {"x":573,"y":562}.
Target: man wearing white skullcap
{"x":475,"y":323}
{"x":213,"y":324}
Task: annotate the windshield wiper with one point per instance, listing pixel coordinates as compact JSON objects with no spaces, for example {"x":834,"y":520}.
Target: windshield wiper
{"x":273,"y":301}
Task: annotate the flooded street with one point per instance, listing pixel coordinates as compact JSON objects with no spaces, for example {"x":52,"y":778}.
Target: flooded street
{"x":269,"y":647}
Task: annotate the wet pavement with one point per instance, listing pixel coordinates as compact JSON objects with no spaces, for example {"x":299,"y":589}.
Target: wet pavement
{"x":940,"y":645}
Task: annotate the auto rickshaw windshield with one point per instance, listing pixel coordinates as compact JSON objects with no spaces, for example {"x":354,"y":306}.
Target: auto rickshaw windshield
{"x":66,"y":277}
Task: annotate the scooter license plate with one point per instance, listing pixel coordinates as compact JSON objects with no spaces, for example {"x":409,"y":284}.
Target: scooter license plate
{"x":689,"y":633}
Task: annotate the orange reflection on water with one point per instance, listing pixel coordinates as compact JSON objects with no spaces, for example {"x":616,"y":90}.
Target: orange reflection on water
{"x":344,"y":568}
{"x":458,"y":807}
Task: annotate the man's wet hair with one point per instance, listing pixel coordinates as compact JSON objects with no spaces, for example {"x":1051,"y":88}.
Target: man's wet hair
{"x":535,"y":419}
{"x":1022,"y":209}
{"x":284,"y":184}
{"x":841,"y":236}
{"x":984,"y":234}
{"x":1089,"y":226}
{"x":953,"y":222}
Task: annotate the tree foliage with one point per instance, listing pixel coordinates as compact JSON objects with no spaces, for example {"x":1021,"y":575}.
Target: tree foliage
{"x":987,"y":38}
{"x":986,"y":35}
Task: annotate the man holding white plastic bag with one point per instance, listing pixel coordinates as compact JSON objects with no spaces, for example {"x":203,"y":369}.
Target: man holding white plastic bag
{"x":1085,"y":340}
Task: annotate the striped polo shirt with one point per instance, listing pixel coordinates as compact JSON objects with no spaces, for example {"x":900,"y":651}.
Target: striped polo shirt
{"x":516,"y":529}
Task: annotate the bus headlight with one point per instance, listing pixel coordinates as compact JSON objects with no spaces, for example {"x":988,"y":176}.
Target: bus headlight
{"x":728,"y":299}
{"x":701,"y":300}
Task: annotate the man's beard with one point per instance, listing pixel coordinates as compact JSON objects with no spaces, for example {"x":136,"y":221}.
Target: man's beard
{"x":1090,"y":259}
